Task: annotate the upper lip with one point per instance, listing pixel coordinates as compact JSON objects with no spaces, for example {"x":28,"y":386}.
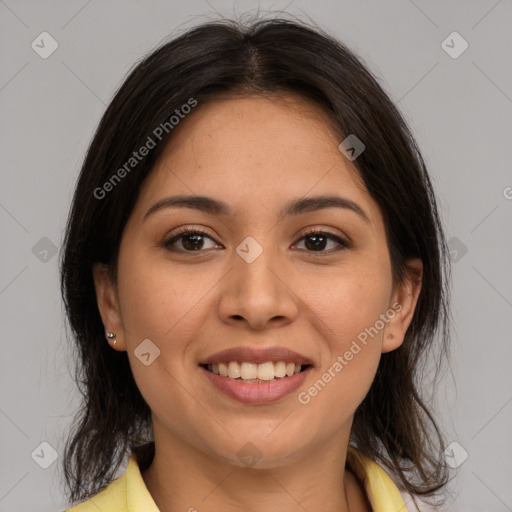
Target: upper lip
{"x":253,"y":355}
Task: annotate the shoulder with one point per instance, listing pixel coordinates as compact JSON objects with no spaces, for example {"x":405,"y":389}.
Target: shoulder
{"x":127,"y":493}
{"x":113,"y":497}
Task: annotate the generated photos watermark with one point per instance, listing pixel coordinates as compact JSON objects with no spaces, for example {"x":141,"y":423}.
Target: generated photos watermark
{"x":304,"y":397}
{"x":137,"y":156}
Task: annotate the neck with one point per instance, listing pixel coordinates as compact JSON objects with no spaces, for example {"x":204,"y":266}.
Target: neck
{"x":184,"y":478}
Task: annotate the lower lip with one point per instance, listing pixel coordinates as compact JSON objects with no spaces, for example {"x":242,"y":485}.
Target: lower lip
{"x":257,"y":392}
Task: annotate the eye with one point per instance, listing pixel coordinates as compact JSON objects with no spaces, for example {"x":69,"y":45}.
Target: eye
{"x":316,"y":241}
{"x":191,"y":240}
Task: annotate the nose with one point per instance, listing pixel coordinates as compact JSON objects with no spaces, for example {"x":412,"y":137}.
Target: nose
{"x":258,"y":292}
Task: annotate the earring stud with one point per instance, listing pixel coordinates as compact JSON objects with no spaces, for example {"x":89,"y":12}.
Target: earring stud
{"x":111,"y":336}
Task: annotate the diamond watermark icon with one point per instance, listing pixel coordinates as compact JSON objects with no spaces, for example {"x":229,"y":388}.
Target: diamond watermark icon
{"x":146,"y":352}
{"x":249,"y":249}
{"x":457,"y":249}
{"x":44,"y":45}
{"x":44,"y":250}
{"x":454,"y":45}
{"x":249,"y":455}
{"x":455,"y":455}
{"x":45,"y":455}
{"x":352,"y":147}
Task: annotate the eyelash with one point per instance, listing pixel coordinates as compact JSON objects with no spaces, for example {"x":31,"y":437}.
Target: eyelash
{"x":196,"y":231}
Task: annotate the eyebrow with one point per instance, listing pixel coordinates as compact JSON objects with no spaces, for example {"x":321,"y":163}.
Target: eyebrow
{"x":213,"y":206}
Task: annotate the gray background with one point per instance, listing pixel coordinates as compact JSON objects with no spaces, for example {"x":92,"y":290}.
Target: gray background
{"x":458,"y":108}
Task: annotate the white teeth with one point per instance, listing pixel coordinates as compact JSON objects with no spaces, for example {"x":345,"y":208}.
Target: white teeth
{"x":280,"y":369}
{"x":266,"y":371}
{"x":251,"y":371}
{"x":233,"y":370}
{"x":223,"y":369}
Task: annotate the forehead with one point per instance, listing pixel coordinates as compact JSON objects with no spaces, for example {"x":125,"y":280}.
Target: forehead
{"x":276,"y":126}
{"x":255,"y":150}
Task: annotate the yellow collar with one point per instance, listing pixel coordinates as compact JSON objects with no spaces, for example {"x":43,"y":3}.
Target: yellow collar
{"x":382,"y":492}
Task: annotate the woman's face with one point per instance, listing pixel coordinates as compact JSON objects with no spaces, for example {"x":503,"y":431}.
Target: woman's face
{"x":255,"y":281}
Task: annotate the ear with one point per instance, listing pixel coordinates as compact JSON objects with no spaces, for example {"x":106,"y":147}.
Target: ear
{"x":108,"y":304}
{"x":402,"y":305}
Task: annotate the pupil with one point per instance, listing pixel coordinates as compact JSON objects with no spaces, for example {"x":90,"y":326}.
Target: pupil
{"x":192,"y":246}
{"x":318,"y":241}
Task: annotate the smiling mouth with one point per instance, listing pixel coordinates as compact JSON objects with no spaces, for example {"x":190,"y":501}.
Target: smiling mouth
{"x":254,"y":372}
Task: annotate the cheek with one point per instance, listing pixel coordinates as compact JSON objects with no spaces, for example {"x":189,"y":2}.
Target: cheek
{"x":349,"y":315}
{"x":159,"y":300}
{"x":350,"y":303}
{"x":163,"y":306}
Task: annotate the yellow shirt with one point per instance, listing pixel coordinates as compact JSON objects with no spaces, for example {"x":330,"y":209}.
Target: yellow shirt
{"x":129,"y":493}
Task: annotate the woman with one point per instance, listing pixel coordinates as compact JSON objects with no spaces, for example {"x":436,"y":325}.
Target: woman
{"x":254,"y":271}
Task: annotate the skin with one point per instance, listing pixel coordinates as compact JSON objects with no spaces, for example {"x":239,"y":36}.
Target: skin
{"x":255,"y":154}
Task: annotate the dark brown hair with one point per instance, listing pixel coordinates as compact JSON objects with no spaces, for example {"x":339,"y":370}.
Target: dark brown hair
{"x":393,"y":424}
